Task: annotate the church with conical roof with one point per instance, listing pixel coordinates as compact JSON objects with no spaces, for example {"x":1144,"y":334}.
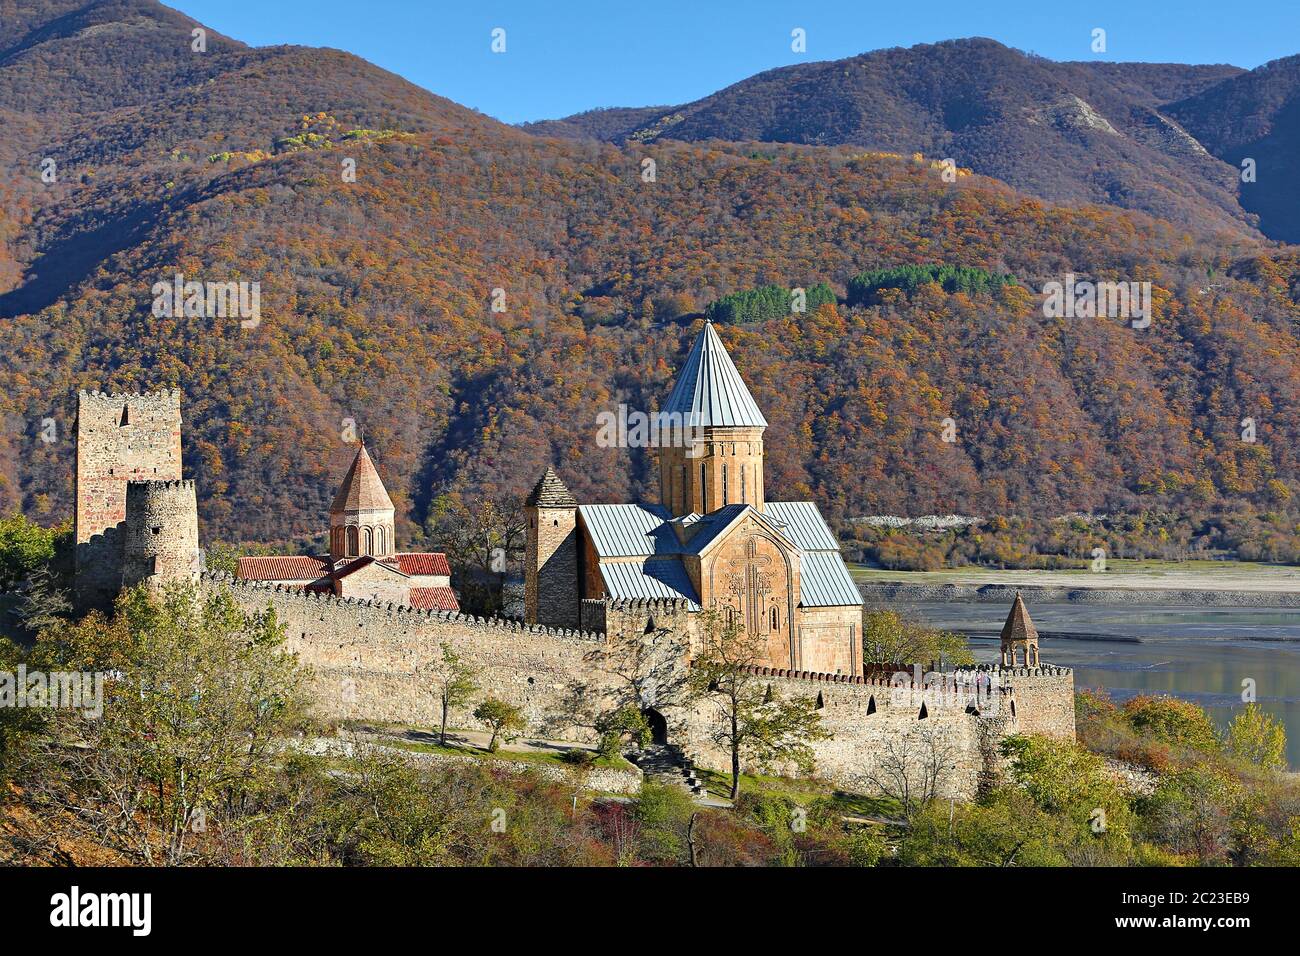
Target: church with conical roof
{"x":363,"y":560}
{"x":713,"y":539}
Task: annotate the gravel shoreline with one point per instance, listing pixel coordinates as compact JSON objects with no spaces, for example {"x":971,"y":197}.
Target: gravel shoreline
{"x":879,"y":591}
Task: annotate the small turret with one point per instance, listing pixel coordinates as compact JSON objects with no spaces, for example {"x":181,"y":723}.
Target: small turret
{"x":162,"y":533}
{"x":1019,"y":637}
{"x":551,"y":591}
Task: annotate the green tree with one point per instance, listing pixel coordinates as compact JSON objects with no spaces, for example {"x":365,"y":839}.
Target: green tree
{"x":1065,"y":779}
{"x":1193,"y":811}
{"x":197,"y":697}
{"x":502,"y":719}
{"x":24,"y":547}
{"x":748,"y":722}
{"x":1173,"y":721}
{"x":1257,"y":738}
{"x":890,"y":638}
{"x":453,"y":683}
{"x":625,"y":723}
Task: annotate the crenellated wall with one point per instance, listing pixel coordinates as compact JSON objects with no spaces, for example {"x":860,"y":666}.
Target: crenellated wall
{"x":120,"y":438}
{"x":369,"y":661}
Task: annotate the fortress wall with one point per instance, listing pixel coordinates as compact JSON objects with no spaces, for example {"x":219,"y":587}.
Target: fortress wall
{"x":878,"y":731}
{"x":367,"y":660}
{"x":120,"y":438}
{"x":1044,"y":699}
{"x":370,"y":659}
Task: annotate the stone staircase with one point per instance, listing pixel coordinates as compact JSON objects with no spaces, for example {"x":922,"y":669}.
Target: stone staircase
{"x":665,"y":763}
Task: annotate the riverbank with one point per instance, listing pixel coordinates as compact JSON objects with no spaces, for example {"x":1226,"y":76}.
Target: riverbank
{"x":1194,"y":584}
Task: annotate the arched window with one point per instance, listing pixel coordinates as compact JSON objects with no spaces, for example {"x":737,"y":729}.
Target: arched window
{"x":776,"y":619}
{"x":353,"y":540}
{"x":724,"y":485}
{"x":682,"y":487}
{"x":380,"y":547}
{"x":370,"y":541}
{"x":704,"y":491}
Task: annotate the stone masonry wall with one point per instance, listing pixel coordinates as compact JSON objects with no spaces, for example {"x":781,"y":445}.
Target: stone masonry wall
{"x":120,"y":438}
{"x":551,"y":586}
{"x":162,"y":532}
{"x":1044,"y":699}
{"x":369,"y":661}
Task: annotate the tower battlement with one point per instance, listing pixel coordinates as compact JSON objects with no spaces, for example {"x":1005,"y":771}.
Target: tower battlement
{"x":122,"y":437}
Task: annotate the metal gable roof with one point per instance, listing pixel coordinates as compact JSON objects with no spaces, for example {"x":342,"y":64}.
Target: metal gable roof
{"x":657,"y":578}
{"x":709,"y":390}
{"x":803,"y":523}
{"x":629,"y":531}
{"x":826,"y":582}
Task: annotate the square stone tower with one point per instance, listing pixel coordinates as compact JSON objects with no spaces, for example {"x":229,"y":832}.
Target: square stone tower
{"x":120,"y":438}
{"x":551,"y":595}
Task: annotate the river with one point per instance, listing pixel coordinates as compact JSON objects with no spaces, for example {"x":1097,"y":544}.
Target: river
{"x":1201,"y":654}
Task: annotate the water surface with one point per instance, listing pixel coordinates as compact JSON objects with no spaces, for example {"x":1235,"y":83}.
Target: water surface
{"x":1201,"y":654}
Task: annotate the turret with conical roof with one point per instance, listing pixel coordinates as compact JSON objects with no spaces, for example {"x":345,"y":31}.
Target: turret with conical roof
{"x":362,"y":515}
{"x":551,"y":592}
{"x":722,"y":462}
{"x":1019,"y":637}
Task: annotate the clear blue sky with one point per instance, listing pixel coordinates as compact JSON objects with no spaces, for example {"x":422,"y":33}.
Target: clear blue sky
{"x":565,"y":56}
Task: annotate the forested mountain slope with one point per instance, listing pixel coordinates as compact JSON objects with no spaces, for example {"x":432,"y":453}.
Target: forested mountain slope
{"x":376,"y":301}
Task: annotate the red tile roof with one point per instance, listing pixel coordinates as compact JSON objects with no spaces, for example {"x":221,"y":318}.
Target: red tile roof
{"x":362,"y":489}
{"x":302,"y":567}
{"x":423,"y":562}
{"x":435,"y":599}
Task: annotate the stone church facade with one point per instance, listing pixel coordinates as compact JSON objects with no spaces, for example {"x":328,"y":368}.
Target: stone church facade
{"x":713,"y":540}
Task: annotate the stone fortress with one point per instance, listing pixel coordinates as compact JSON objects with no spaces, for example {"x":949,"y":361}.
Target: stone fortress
{"x":613,"y":595}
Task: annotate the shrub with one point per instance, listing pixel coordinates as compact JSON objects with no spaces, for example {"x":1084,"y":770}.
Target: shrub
{"x":1173,"y":721}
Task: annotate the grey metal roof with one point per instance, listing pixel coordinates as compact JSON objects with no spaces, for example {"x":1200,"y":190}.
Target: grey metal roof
{"x":826,"y":582}
{"x":628,"y":531}
{"x":658,"y":578}
{"x":709,"y":390}
{"x":804,"y":524}
{"x":715,"y":523}
{"x":642,"y":531}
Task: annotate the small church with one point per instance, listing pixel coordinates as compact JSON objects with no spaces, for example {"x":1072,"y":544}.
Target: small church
{"x":713,"y":539}
{"x":363,"y":561}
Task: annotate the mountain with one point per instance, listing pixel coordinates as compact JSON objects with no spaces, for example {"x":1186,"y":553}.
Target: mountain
{"x":1255,"y":115}
{"x":377,"y":298}
{"x":1064,"y":132}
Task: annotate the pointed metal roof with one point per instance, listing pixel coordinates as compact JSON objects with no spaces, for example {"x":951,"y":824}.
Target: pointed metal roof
{"x":709,"y":390}
{"x":550,"y":492}
{"x":1019,"y":627}
{"x":362,"y":489}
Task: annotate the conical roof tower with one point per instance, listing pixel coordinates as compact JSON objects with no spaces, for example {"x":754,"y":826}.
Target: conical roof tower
{"x":710,"y":434}
{"x":362,"y":515}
